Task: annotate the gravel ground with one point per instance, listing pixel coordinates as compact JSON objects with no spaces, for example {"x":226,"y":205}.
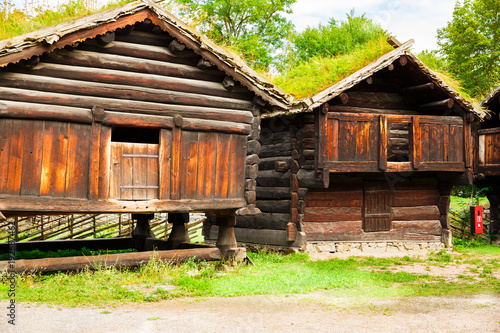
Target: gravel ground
{"x":314,"y":312}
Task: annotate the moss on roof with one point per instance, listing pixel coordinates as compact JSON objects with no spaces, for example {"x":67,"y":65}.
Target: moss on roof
{"x":18,"y":23}
{"x":319,"y":73}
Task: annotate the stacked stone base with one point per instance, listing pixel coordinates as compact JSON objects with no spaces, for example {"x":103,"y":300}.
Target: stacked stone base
{"x":361,"y":248}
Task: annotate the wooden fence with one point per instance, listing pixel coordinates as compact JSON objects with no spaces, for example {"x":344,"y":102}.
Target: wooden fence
{"x":84,"y":226}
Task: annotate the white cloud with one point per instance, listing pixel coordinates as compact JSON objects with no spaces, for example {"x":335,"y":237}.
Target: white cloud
{"x":405,"y":19}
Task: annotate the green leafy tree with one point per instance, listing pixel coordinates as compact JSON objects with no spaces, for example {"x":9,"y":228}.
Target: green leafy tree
{"x":255,"y":28}
{"x":471,"y":44}
{"x":333,"y":39}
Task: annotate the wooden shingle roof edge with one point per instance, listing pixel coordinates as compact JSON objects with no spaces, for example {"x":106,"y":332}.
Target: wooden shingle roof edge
{"x":308,"y":104}
{"x":47,"y":39}
{"x":490,"y":97}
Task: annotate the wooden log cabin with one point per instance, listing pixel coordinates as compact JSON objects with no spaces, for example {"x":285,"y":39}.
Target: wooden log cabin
{"x":373,"y":158}
{"x":487,"y":158}
{"x":128,"y":110}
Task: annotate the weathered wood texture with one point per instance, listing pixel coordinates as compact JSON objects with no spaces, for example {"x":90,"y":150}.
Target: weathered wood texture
{"x":488,"y":152}
{"x":53,"y":146}
{"x":430,"y":143}
{"x":44,"y":158}
{"x":355,"y":210}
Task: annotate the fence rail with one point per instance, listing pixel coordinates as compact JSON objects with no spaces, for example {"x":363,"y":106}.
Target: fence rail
{"x":82,"y":226}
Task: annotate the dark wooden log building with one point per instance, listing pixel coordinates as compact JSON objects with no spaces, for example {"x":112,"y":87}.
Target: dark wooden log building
{"x":372,"y":158}
{"x":487,"y":158}
{"x":128,"y":110}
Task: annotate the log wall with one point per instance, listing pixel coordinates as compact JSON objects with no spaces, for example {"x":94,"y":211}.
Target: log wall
{"x":272,"y":182}
{"x":339,"y":212}
{"x":57,"y":119}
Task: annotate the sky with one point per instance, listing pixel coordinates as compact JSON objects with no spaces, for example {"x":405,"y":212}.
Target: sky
{"x":404,"y":19}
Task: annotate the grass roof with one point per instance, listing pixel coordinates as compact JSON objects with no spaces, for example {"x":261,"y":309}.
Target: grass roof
{"x":17,"y":23}
{"x":309,"y":78}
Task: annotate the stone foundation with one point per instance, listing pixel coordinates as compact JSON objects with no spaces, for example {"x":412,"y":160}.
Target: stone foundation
{"x":372,"y":247}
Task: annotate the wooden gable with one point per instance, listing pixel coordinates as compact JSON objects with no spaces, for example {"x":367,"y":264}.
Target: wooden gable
{"x":122,"y":118}
{"x":397,"y":120}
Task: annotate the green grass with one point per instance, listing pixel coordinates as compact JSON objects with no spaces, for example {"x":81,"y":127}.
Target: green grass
{"x":273,"y":274}
{"x":319,"y":73}
{"x":17,"y":23}
{"x":460,"y":204}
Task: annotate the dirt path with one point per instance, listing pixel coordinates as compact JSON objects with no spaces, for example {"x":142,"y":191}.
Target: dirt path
{"x":314,"y":312}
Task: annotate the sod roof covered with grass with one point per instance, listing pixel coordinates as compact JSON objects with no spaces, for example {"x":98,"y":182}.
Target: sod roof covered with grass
{"x":312,"y":82}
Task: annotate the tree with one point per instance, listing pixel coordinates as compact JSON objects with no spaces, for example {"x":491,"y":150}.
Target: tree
{"x":471,"y":45}
{"x":330,"y":40}
{"x":255,"y":28}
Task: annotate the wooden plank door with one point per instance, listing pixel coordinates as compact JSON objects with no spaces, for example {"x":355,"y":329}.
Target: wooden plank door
{"x":377,"y":207}
{"x":134,"y":171}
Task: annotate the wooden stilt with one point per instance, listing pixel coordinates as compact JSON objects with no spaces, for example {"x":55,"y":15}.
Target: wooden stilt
{"x":226,"y":239}
{"x":179,"y":233}
{"x":142,"y":230}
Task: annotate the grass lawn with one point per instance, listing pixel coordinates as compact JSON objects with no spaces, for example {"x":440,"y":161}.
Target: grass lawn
{"x":273,"y":274}
{"x":460,"y":204}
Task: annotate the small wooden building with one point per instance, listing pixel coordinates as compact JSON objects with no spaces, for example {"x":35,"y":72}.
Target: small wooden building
{"x":128,"y":110}
{"x":487,"y":158}
{"x":372,"y":158}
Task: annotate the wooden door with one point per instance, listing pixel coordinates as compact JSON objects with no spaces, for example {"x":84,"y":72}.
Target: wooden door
{"x":377,"y":207}
{"x":134,"y":171}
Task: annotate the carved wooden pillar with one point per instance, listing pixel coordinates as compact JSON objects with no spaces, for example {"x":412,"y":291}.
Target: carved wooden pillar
{"x":226,"y":239}
{"x":142,"y":230}
{"x":179,"y":233}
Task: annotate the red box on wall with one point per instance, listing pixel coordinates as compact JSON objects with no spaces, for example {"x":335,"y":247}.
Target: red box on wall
{"x":476,"y":219}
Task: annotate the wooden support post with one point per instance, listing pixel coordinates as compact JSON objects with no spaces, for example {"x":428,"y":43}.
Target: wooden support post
{"x":416,"y":142}
{"x":444,"y":207}
{"x":142,"y":230}
{"x":16,"y":226}
{"x":382,"y":159}
{"x":179,"y":233}
{"x":226,"y":239}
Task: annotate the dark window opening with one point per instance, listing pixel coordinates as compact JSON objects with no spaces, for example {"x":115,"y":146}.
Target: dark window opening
{"x":135,"y":135}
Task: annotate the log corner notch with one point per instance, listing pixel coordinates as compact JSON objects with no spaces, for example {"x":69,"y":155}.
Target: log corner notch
{"x":106,"y":38}
{"x":393,"y":42}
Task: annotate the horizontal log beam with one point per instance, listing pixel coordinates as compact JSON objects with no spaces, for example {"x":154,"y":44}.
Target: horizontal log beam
{"x":57,"y":85}
{"x":121,"y":105}
{"x":421,"y":88}
{"x":140,"y":51}
{"x":46,"y":265}
{"x":29,"y":205}
{"x":354,"y":109}
{"x":136,"y":120}
{"x":215,"y":126}
{"x":140,"y":37}
{"x":131,"y":64}
{"x":24,"y":110}
{"x":443,"y":105}
{"x":133,"y":79}
{"x":274,"y":206}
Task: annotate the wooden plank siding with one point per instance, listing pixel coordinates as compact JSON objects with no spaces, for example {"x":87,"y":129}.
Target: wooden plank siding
{"x":392,"y":143}
{"x":58,"y":119}
{"x":44,"y":158}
